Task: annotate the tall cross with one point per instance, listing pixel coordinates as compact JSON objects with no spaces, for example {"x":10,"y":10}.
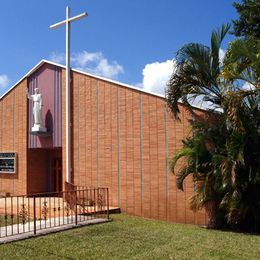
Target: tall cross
{"x":67,"y":21}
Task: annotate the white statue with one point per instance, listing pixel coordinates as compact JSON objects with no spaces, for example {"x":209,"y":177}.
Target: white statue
{"x":37,"y":110}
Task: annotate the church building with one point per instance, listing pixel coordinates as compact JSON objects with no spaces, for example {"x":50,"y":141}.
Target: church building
{"x":122,"y":137}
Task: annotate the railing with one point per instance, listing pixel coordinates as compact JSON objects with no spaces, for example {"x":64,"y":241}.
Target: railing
{"x":34,"y":212}
{"x":70,"y":186}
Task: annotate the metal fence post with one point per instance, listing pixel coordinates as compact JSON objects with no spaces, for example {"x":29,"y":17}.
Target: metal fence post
{"x":34,"y":216}
{"x":107,"y":204}
{"x":95,"y":202}
{"x":76,"y":210}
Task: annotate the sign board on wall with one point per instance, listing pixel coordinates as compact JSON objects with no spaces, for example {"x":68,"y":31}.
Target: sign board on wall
{"x":8,"y":162}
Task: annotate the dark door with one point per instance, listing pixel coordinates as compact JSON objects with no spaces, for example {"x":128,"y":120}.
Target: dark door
{"x":57,"y":175}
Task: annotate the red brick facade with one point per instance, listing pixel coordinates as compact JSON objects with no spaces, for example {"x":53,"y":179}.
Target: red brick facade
{"x":122,"y":139}
{"x":13,"y":137}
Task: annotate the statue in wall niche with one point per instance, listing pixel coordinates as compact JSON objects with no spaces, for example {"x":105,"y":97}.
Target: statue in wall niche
{"x":37,"y":110}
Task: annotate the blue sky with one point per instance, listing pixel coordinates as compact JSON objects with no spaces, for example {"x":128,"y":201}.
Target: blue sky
{"x":130,"y":41}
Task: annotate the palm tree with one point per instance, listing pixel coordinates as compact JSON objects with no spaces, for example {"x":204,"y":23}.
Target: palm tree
{"x":221,"y":156}
{"x":242,"y":197}
{"x":202,"y":160}
{"x":198,"y":74}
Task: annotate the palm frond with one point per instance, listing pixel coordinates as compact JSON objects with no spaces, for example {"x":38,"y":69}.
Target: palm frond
{"x":182,"y":174}
{"x":184,"y":152}
{"x":197,"y":73}
{"x":217,"y":37}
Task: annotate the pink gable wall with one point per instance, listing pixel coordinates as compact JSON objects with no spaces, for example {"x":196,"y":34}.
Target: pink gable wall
{"x":48,"y":80}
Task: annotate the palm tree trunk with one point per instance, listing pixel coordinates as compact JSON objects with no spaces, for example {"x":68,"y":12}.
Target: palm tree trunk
{"x":213,"y":213}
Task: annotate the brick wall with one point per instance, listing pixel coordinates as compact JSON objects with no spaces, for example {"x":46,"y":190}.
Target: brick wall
{"x":13,"y":137}
{"x":123,"y":139}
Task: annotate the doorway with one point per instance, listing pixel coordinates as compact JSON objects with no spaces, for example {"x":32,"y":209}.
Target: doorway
{"x":57,"y":175}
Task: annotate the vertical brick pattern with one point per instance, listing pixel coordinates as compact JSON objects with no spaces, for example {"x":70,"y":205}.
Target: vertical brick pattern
{"x":121,"y":140}
{"x":114,"y":146}
{"x":13,"y":137}
{"x":146,"y":190}
{"x":129,"y":153}
{"x":122,"y":150}
{"x":162,"y":192}
{"x":137,"y":178}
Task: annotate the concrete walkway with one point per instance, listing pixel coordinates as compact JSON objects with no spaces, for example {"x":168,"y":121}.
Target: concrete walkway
{"x":23,"y":231}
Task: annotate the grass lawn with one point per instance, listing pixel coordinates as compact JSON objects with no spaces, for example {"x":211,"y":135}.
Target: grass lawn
{"x":130,"y":237}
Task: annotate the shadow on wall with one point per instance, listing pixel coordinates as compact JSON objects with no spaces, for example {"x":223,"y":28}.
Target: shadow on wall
{"x":48,"y":141}
{"x":49,"y":122}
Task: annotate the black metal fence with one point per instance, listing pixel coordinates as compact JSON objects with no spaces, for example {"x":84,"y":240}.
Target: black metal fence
{"x":34,"y":212}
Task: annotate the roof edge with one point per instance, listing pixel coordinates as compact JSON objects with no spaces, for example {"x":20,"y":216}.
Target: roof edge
{"x":106,"y":79}
{"x":38,"y":65}
{"x":43,"y":61}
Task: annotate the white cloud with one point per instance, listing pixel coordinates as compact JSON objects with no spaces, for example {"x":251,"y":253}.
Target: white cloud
{"x":248,"y":86}
{"x":57,"y":57}
{"x":3,"y":81}
{"x":222,"y":55}
{"x":92,"y":62}
{"x":156,"y":75}
{"x":84,"y":58}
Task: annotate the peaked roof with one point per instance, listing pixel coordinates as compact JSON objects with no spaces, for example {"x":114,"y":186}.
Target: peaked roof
{"x":43,"y":61}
